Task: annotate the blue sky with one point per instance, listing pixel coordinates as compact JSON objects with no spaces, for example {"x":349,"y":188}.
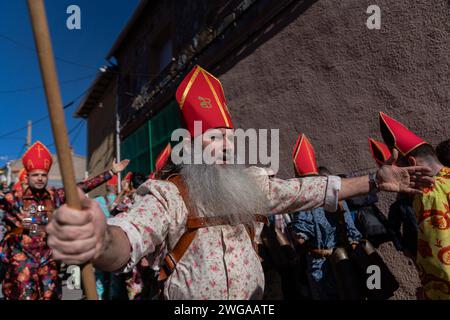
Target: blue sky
{"x":20,"y":101}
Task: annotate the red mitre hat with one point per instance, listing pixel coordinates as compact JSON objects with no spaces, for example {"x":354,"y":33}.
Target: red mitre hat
{"x":37,"y":157}
{"x":17,"y":187}
{"x":128,"y":176}
{"x":22,"y":175}
{"x":201,"y":98}
{"x":161,"y":160}
{"x":112,"y":181}
{"x":304,"y":158}
{"x":163,"y":157}
{"x":397,"y":135}
{"x":380,"y":151}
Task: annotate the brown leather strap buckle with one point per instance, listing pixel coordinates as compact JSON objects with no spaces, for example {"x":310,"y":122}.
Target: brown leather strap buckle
{"x":170,"y":263}
{"x":321,"y":252}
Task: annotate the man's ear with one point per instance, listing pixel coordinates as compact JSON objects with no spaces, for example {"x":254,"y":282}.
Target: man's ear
{"x":412,"y":161}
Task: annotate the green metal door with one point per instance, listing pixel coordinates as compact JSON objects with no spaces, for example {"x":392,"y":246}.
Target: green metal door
{"x":136,"y":148}
{"x":160,"y":129}
{"x":144,"y":145}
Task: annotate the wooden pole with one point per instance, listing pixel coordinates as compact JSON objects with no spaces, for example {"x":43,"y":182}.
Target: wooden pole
{"x":55,"y":108}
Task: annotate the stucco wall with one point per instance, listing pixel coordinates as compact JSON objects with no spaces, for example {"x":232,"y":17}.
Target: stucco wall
{"x":101,"y":141}
{"x":324,"y":73}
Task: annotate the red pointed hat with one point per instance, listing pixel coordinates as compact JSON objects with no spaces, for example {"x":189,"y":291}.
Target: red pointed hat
{"x":201,"y":98}
{"x":380,"y":151}
{"x":112,"y":181}
{"x":17,"y":187}
{"x":163,"y":157}
{"x":161,"y":160}
{"x":128,"y":176}
{"x":22,"y":175}
{"x":304,"y":157}
{"x":37,"y":157}
{"x":397,"y":135}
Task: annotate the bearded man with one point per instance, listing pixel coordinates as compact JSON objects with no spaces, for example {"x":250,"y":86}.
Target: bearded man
{"x":199,"y":224}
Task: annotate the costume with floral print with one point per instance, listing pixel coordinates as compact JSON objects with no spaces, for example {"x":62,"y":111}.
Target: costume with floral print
{"x":221,"y":262}
{"x":31,"y":273}
{"x":432,"y":210}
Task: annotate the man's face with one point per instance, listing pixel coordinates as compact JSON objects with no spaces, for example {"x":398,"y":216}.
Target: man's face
{"x":126,"y":186}
{"x":221,"y":142}
{"x":38,"y":179}
{"x":18,"y":193}
{"x":24,"y":183}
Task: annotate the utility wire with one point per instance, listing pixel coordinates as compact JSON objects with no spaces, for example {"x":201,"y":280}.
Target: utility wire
{"x":72,"y":130}
{"x":77,"y":134}
{"x":68,"y":105}
{"x":75,"y":127}
{"x":41,"y":87}
{"x":20,"y":44}
{"x":21,"y":151}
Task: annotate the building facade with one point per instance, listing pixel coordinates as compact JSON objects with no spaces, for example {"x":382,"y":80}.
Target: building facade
{"x":297,"y":66}
{"x":99,"y":109}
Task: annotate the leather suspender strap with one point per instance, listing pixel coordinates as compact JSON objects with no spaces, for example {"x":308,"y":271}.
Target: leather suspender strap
{"x":171,"y":259}
{"x":194,"y":222}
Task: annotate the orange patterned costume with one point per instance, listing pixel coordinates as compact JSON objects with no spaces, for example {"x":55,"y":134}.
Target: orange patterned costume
{"x":433,"y":256}
{"x":31,"y":273}
{"x":432,"y":213}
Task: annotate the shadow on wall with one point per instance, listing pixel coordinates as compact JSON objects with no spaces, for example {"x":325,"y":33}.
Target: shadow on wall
{"x":105,"y":160}
{"x":260,"y":36}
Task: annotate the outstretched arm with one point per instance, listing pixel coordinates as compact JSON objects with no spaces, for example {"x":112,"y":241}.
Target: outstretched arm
{"x":116,"y":251}
{"x":389,"y":178}
{"x":77,"y":236}
{"x":92,"y":183}
{"x":100,"y":179}
{"x":311,"y":192}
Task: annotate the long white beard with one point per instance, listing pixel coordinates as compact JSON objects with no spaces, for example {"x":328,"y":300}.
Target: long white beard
{"x":225,"y":190}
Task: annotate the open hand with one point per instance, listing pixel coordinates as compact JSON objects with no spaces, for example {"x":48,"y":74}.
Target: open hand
{"x":117,"y":167}
{"x":392,"y":178}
